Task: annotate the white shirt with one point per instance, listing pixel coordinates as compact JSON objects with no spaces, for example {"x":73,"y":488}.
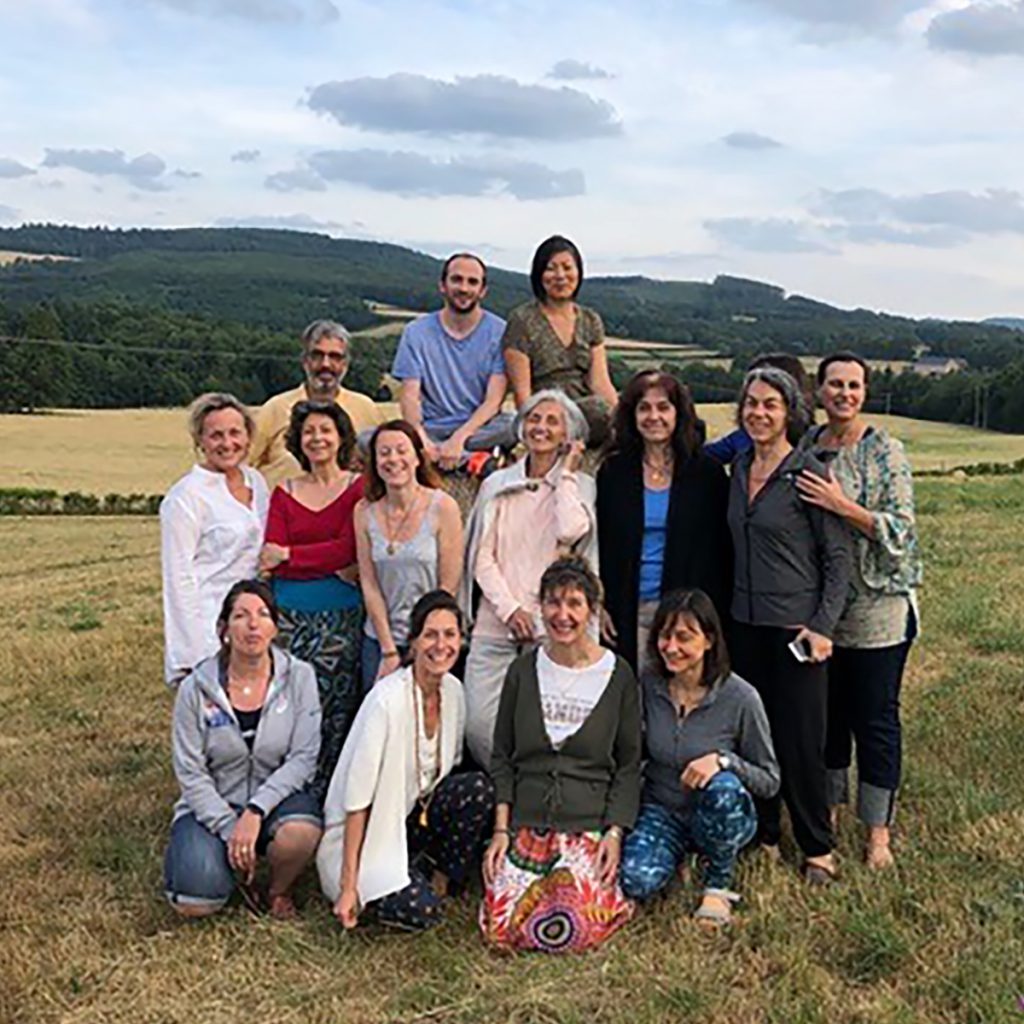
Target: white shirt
{"x":568,"y":695}
{"x":209,"y":541}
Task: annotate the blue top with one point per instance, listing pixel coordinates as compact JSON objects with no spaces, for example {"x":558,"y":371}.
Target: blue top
{"x":453,"y":373}
{"x":724,"y":449}
{"x":327,"y":594}
{"x":652,"y":547}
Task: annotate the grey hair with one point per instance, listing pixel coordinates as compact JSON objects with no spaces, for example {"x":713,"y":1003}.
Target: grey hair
{"x":797,"y":416}
{"x":215,"y":401}
{"x":575,"y":422}
{"x":323,"y":329}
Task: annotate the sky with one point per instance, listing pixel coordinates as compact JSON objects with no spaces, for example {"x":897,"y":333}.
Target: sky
{"x":868,"y":153}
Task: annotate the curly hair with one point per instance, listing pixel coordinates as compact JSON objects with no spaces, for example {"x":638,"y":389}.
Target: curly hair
{"x":342,"y":423}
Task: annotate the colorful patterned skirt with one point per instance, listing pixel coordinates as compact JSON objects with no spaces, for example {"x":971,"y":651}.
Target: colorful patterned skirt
{"x":547,"y":896}
{"x":330,"y":641}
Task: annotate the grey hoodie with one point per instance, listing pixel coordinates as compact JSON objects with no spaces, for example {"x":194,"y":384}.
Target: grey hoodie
{"x":213,"y":765}
{"x":793,"y":559}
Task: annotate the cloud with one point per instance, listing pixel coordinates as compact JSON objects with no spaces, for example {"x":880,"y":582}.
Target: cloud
{"x":751,"y":141}
{"x":889,"y":234}
{"x":770,"y":234}
{"x":994,"y":211}
{"x":287,"y":12}
{"x":287,"y":222}
{"x":13,"y":168}
{"x":245,"y":156}
{"x":301,"y":179}
{"x":143,"y":171}
{"x":570,"y":70}
{"x":412,"y":174}
{"x":479,"y":105}
{"x":8,"y":214}
{"x":866,"y":15}
{"x":985,"y":29}
{"x":186,"y":175}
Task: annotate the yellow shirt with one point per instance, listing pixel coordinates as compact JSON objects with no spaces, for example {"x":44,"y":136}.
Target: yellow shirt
{"x":268,"y":453}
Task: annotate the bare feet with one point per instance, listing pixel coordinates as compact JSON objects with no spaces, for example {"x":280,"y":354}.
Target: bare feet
{"x":820,"y":870}
{"x":713,"y":913}
{"x":282,"y":907}
{"x":878,"y":854}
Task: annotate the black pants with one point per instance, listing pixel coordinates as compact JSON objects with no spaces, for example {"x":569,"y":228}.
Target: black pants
{"x":864,"y":706}
{"x":795,"y":696}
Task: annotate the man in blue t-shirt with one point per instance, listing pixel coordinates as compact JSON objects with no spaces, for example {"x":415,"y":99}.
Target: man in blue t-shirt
{"x":452,"y":371}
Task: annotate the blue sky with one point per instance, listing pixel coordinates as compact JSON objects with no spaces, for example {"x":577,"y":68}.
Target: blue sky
{"x":864,"y":152}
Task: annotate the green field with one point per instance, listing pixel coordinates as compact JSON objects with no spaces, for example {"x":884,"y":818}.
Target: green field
{"x":145,"y":450}
{"x":86,"y":792}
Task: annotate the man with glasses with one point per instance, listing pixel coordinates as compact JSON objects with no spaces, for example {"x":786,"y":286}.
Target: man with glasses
{"x":325,"y":360}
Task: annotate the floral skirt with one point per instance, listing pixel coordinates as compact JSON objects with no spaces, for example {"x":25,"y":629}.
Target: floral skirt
{"x":330,"y":642}
{"x":547,"y":896}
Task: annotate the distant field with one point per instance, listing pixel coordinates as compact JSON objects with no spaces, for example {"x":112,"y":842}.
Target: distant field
{"x":127,"y":451}
{"x":7,"y":256}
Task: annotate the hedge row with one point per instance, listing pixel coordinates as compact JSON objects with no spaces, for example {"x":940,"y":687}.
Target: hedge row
{"x":24,"y":501}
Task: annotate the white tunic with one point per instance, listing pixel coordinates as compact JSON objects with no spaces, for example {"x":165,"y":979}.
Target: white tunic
{"x":377,"y":769}
{"x":209,"y":541}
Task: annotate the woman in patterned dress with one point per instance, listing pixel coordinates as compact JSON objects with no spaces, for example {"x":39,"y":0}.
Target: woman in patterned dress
{"x":310,"y":551}
{"x":870,"y":486}
{"x":566,"y":770}
{"x":553,"y":342}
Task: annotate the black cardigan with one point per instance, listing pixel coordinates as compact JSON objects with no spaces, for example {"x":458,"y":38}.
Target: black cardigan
{"x":698,"y":546}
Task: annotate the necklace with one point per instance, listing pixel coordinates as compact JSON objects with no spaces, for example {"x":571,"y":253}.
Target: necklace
{"x":660,"y":474}
{"x":391,"y":534}
{"x":426,"y":794}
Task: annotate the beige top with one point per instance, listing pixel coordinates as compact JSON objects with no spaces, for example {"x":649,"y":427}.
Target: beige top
{"x":268,"y":453}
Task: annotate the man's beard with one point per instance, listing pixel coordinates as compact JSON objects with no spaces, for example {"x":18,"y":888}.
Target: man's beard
{"x":461,"y":309}
{"x":318,"y":388}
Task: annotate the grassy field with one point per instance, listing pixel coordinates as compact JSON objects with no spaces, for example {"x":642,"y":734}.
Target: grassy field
{"x":86,"y":792}
{"x":145,"y":450}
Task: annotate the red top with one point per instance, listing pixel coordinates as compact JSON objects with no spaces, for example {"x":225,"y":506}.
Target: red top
{"x":322,"y":541}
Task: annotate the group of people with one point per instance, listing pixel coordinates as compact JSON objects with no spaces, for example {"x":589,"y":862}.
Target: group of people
{"x":653,"y":658}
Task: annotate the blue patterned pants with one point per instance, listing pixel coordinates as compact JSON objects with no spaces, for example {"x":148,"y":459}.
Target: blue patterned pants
{"x":720,"y":822}
{"x":460,"y":814}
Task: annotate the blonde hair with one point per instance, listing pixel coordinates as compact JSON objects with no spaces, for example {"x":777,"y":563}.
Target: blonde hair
{"x":215,"y":401}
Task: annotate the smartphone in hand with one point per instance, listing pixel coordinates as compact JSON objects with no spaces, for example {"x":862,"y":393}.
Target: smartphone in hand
{"x":800,"y":649}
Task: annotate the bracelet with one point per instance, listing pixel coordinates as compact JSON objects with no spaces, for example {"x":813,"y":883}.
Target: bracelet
{"x":389,"y":654}
{"x":500,"y":831}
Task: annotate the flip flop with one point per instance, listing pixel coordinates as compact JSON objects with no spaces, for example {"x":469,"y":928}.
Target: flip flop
{"x":716,"y":917}
{"x":819,"y":875}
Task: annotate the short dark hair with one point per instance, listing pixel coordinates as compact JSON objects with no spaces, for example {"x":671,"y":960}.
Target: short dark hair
{"x":695,"y":605}
{"x":686,"y":438}
{"x":259,"y":588}
{"x":462,"y":256}
{"x":843,"y":356}
{"x":342,"y":423}
{"x":432,"y":601}
{"x":572,"y":571}
{"x":426,"y":475}
{"x":548,"y":249}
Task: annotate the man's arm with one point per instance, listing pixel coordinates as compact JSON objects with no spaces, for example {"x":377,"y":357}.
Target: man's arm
{"x":451,"y":451}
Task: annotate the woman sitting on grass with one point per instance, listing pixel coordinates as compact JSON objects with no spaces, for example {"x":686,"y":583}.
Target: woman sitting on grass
{"x":708,"y":749}
{"x":245,"y":737}
{"x":211,"y":529}
{"x":401,"y":829}
{"x":566,"y":768}
{"x":311,"y":551}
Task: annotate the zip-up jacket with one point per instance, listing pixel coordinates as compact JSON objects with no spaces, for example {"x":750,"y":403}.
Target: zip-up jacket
{"x":212,"y":762}
{"x":793,"y":559}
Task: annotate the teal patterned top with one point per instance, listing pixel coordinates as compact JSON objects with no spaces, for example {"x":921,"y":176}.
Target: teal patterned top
{"x":887,"y":567}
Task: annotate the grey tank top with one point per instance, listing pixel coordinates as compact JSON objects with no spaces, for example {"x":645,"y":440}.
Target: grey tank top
{"x":407,"y":574}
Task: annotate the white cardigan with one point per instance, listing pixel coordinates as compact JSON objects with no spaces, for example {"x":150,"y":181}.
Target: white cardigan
{"x":209,"y":541}
{"x":377,"y":768}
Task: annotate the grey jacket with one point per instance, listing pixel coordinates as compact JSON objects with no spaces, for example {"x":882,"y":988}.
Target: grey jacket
{"x":793,"y":559}
{"x":213,"y":765}
{"x":729,"y":720}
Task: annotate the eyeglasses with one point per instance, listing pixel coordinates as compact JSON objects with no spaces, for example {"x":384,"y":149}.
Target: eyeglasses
{"x":339,"y":358}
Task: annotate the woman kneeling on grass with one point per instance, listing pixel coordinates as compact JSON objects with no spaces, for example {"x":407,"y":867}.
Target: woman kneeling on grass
{"x":566,"y":768}
{"x":400,"y":828}
{"x":246,"y":736}
{"x":709,"y":749}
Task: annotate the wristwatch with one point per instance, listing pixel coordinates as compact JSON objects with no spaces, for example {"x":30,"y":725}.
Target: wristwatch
{"x":256,"y":809}
{"x":724,"y":761}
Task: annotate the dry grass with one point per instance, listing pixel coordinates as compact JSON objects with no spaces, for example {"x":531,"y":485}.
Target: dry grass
{"x":86,"y":792}
{"x":8,"y":256}
{"x":145,"y":450}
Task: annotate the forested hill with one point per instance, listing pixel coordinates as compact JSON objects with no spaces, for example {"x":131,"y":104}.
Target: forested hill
{"x":279,"y":280}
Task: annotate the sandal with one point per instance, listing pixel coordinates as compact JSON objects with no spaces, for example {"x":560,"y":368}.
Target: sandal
{"x":819,"y":875}
{"x":719,"y":914}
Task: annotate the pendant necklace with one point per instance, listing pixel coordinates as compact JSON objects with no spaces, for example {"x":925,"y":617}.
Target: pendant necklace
{"x":392,"y":534}
{"x":659,"y":474}
{"x":424,"y":796}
